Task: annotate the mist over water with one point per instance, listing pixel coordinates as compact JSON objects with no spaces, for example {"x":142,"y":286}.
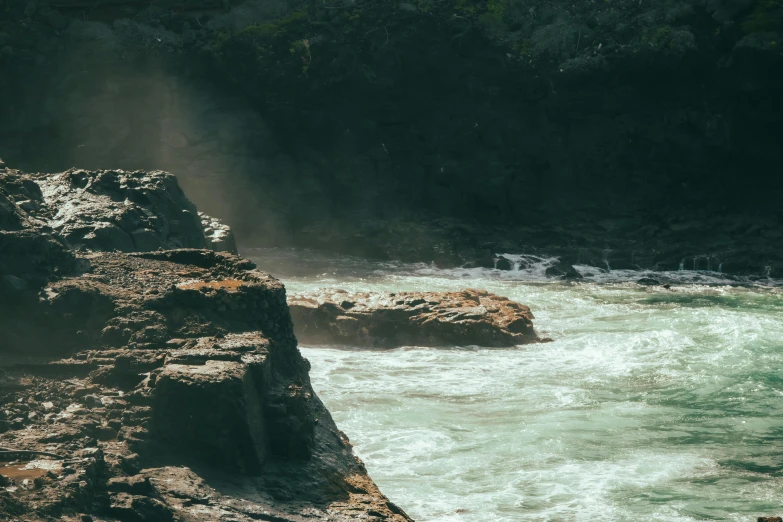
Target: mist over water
{"x":651,"y":404}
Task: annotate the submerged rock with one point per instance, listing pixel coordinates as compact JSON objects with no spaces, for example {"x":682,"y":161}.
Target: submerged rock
{"x":563,"y":271}
{"x":466,"y":318}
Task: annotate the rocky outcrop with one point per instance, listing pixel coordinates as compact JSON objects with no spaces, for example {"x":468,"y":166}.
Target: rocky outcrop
{"x":470,"y":317}
{"x":112,"y":210}
{"x":563,"y":271}
{"x":158,"y":386}
{"x":218,"y":235}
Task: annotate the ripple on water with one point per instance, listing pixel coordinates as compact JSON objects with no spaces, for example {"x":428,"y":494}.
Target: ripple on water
{"x":651,"y":404}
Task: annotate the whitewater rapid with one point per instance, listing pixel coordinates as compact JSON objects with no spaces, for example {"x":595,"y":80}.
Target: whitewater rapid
{"x":651,"y":404}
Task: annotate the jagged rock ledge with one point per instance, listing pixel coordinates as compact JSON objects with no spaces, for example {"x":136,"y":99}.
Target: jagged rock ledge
{"x":155,"y":386}
{"x":112,"y":210}
{"x":389,"y":320}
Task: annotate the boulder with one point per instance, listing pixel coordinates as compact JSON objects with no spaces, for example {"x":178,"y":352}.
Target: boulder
{"x":483,"y":260}
{"x":389,"y":320}
{"x":214,"y":411}
{"x":563,"y":271}
{"x":503,"y":263}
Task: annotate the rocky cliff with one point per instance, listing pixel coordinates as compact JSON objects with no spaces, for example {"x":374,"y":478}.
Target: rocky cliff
{"x":158,"y":385}
{"x":650,"y":128}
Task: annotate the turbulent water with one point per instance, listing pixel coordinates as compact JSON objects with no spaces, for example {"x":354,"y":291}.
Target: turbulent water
{"x":651,"y":404}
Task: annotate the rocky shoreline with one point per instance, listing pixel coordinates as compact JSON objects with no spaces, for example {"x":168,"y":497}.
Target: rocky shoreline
{"x":745,"y":246}
{"x":159,"y":385}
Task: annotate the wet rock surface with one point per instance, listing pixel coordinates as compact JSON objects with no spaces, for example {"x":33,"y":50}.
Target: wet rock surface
{"x":467,"y":318}
{"x":158,"y":386}
{"x":111,"y":210}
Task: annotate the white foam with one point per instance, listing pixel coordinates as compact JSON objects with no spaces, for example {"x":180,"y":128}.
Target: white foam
{"x":330,"y":269}
{"x":631,"y":414}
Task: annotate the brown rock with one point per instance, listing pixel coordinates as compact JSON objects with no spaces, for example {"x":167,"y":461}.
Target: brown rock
{"x":388,"y":320}
{"x":109,"y":210}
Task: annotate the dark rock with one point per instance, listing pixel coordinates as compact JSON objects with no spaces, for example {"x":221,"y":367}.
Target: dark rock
{"x":203,"y":372}
{"x":136,"y":485}
{"x":130,"y":463}
{"x":105,"y":433}
{"x":647,"y":281}
{"x":119,"y":211}
{"x":137,"y":508}
{"x":503,"y":263}
{"x":563,"y":271}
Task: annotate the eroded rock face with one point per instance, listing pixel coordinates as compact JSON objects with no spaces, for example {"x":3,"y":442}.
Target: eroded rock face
{"x":169,"y":383}
{"x":215,"y":409}
{"x":111,"y":210}
{"x":470,"y":317}
{"x":219,"y":236}
{"x":183,"y":357}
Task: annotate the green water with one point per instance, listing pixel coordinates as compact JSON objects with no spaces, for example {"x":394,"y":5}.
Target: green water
{"x":651,"y":404}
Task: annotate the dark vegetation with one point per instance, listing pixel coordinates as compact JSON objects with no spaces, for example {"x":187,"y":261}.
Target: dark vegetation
{"x":500,"y":113}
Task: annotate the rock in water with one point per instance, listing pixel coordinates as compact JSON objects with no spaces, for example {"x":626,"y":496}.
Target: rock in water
{"x":467,"y":318}
{"x":504,"y":263}
{"x":563,"y":271}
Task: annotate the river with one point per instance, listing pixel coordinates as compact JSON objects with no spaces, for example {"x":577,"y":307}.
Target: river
{"x":652,"y":403}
